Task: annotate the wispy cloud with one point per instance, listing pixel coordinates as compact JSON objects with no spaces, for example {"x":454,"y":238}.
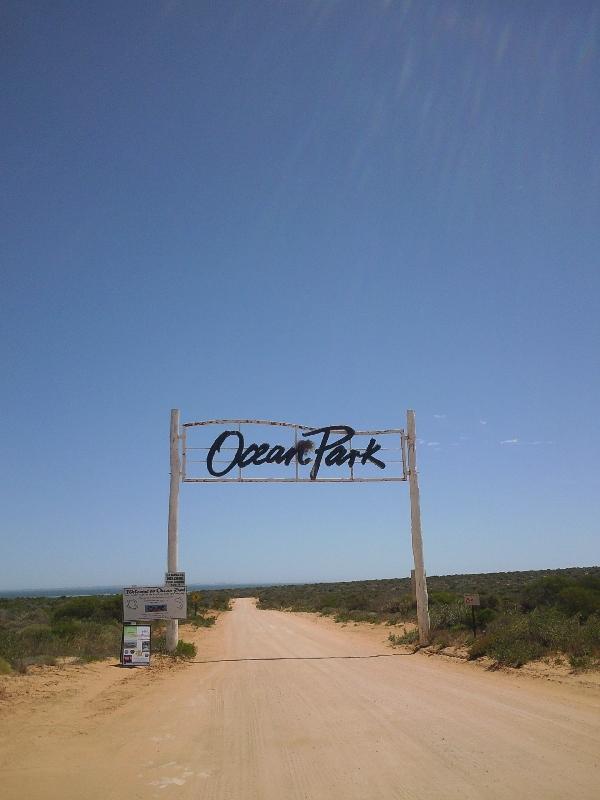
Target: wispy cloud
{"x":433,"y":444}
{"x":526,"y":444}
{"x":439,"y":416}
{"x":483,"y":421}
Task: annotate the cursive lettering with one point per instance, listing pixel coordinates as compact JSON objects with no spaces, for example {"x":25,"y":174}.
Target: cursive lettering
{"x":330,"y":451}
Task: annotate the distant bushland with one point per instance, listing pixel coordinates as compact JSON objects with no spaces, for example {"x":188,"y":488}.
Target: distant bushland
{"x":44,"y":630}
{"x":522,"y":616}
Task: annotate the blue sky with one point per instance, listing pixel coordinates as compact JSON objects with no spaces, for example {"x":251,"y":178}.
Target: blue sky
{"x":318,"y":212}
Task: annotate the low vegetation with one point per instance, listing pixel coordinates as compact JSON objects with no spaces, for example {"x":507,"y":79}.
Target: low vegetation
{"x":184,"y":650}
{"x":523,"y":615}
{"x":40,"y":630}
{"x":47,"y":630}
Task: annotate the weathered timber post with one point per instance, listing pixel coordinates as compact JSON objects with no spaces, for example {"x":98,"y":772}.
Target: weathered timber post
{"x":173,"y":624}
{"x":415,"y":526}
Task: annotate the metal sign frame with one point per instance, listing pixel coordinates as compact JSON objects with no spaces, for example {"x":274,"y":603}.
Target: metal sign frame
{"x":408,"y":450}
{"x":238,"y":423}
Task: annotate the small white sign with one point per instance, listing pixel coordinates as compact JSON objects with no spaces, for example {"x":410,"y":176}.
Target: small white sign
{"x":175,"y":578}
{"x":472,"y":600}
{"x":144,"y":603}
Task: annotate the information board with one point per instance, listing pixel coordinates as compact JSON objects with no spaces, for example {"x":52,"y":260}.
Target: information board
{"x":145,"y":603}
{"x":136,"y":645}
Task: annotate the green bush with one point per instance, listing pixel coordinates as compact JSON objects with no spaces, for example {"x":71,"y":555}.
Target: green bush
{"x":410,"y":637}
{"x":202,"y":622}
{"x":450,"y":615}
{"x":36,"y":636}
{"x":77,"y":608}
{"x":442,"y":598}
{"x":66,"y":629}
{"x":219,"y":600}
{"x":42,"y":644}
{"x":579,"y":600}
{"x":578,"y":595}
{"x":581,"y":663}
{"x":483,"y":617}
{"x":111,"y":608}
{"x":329,"y":600}
{"x":514,"y":639}
{"x":185,"y":650}
{"x":5,"y":668}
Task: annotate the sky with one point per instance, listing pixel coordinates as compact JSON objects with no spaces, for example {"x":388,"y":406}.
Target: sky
{"x":313,"y":212}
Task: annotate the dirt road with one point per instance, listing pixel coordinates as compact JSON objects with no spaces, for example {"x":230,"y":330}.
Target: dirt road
{"x":283,"y":707}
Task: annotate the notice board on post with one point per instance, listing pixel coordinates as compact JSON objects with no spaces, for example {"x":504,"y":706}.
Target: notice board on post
{"x":135,"y":648}
{"x":145,"y":603}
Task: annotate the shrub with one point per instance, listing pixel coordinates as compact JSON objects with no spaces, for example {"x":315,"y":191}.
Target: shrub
{"x":514,"y":639}
{"x":77,"y":608}
{"x":329,"y":600}
{"x":581,"y":663}
{"x":410,"y":637}
{"x":96,"y":641}
{"x":442,"y":598}
{"x":402,"y":607}
{"x":575,"y":596}
{"x":36,"y":636}
{"x":67,"y":629}
{"x":484,"y":616}
{"x":357,"y":616}
{"x":110,"y":608}
{"x":185,"y":650}
{"x":579,"y":600}
{"x":202,"y":622}
{"x":219,"y":600}
{"x":450,"y":615}
{"x":99,"y":608}
{"x":5,"y":668}
{"x":12,"y":647}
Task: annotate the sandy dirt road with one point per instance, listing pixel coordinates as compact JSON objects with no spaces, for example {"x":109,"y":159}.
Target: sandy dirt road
{"x":287,"y":707}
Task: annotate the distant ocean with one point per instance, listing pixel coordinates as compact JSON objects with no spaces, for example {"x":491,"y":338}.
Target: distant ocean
{"x":82,"y":591}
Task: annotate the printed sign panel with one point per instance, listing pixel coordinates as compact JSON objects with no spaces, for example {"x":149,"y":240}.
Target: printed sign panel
{"x":136,"y":645}
{"x":174,"y":578}
{"x":154,"y":602}
{"x":472,"y":600}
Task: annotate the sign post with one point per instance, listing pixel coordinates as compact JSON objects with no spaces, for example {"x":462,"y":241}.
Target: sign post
{"x":472,"y":600}
{"x":415,"y":526}
{"x":172,"y":635}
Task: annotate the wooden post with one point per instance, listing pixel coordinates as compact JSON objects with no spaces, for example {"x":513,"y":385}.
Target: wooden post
{"x":415,"y":526}
{"x":173,"y":624}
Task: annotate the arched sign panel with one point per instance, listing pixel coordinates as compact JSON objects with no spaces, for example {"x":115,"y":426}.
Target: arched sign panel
{"x":262,"y":451}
